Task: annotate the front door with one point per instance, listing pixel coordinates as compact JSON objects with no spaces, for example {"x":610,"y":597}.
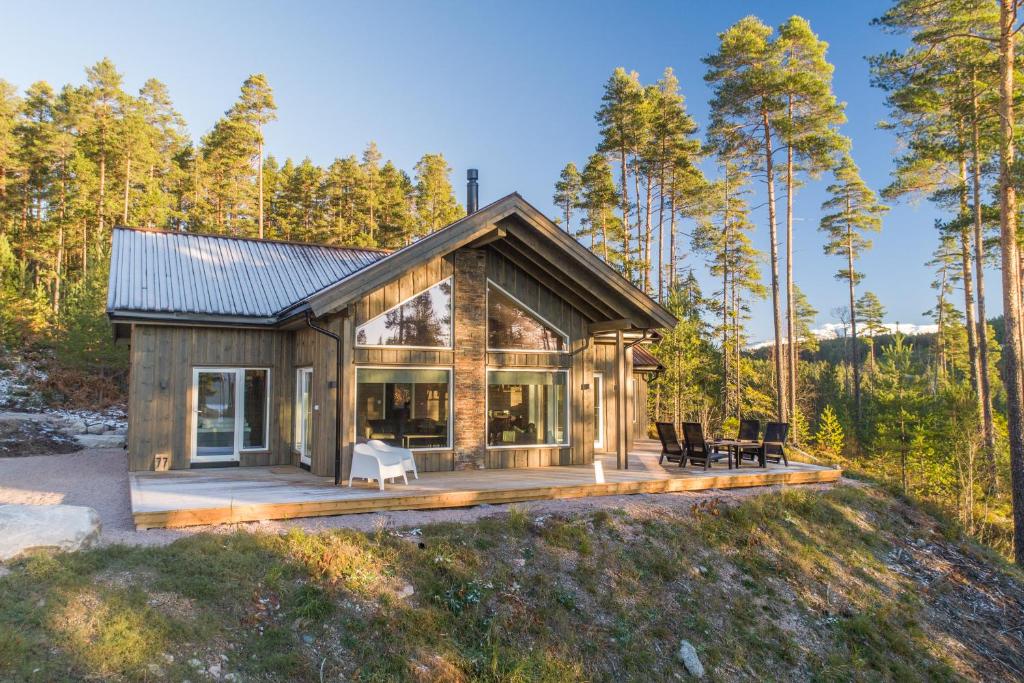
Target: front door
{"x":304,"y":413}
{"x":215,"y":409}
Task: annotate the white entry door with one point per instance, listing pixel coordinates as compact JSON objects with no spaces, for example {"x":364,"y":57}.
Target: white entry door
{"x":304,"y":413}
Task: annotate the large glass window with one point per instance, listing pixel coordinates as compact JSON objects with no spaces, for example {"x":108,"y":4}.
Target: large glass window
{"x":527,"y":408}
{"x":424,"y":321}
{"x":254,"y":400}
{"x":511,"y":326}
{"x":404,"y":407}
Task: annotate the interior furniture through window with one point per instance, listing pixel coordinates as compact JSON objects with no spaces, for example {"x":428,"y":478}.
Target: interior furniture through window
{"x":421,"y":321}
{"x":407,"y":407}
{"x":527,"y":408}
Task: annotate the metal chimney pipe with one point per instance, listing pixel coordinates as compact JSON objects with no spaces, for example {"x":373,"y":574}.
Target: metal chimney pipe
{"x":472,"y":191}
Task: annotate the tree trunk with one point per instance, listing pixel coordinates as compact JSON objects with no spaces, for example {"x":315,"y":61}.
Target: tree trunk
{"x":648,"y":259}
{"x":661,"y":231}
{"x":103,"y":190}
{"x":1010,"y":274}
{"x":672,"y":234}
{"x":790,"y":308}
{"x":625,"y":215}
{"x":854,"y":362}
{"x":968,"y":281}
{"x":127,"y":187}
{"x":259,"y":181}
{"x":979,"y":269}
{"x":780,"y":379}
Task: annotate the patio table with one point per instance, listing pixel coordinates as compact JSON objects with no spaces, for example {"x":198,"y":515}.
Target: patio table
{"x":735,"y":448}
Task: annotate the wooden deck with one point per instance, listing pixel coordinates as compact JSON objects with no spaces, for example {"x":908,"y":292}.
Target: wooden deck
{"x":193,"y":497}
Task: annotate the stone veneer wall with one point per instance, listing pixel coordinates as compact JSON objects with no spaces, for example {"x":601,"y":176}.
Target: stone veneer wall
{"x":470,"y":380}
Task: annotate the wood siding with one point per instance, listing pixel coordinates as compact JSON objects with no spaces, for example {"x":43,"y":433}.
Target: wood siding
{"x":604,"y":363}
{"x":160,"y":417}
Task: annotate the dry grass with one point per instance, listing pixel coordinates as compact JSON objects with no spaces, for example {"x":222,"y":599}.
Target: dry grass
{"x":847,"y":584}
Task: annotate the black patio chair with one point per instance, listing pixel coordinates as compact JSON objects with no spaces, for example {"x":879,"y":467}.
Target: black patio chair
{"x":699,"y":451}
{"x":772,"y":447}
{"x":749,"y":430}
{"x":670,"y":448}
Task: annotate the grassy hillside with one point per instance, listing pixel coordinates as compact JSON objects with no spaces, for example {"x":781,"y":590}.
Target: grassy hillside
{"x":846,"y":584}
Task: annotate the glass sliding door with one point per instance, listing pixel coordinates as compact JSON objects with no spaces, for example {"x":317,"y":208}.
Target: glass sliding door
{"x":231,"y":412}
{"x":303,"y":413}
{"x":215,"y":413}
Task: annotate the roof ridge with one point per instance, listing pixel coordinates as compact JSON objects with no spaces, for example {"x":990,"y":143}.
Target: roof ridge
{"x":244,"y":238}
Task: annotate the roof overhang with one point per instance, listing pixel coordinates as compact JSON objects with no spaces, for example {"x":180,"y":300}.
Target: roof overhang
{"x":524,"y":235}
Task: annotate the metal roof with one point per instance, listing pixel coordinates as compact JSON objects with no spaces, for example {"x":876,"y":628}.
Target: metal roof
{"x":188,"y":274}
{"x":642,"y":358}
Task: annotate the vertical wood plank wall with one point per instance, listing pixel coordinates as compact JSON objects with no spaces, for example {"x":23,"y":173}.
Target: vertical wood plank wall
{"x":162,"y":359}
{"x":160,"y":395}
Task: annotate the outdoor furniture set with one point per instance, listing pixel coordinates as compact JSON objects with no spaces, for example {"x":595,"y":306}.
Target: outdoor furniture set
{"x":696,"y":450}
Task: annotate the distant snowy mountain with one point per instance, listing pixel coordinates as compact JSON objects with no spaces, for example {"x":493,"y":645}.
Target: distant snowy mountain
{"x":837,"y":330}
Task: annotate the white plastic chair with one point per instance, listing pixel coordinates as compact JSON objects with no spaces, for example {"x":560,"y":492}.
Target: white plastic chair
{"x":369,"y":463}
{"x":407,"y":458}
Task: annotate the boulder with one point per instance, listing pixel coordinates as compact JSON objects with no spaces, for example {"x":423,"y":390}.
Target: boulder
{"x":96,"y":428}
{"x":688,"y":657}
{"x":111,"y":440}
{"x":38,"y":527}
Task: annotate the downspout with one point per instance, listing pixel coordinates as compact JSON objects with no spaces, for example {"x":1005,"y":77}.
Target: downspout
{"x":337,"y":407}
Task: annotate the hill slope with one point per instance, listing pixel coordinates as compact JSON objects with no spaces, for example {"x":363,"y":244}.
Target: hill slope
{"x":837,"y":584}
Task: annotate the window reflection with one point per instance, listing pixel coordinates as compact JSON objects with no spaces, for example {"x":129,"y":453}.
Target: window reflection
{"x":511,"y":326}
{"x":425,"y":320}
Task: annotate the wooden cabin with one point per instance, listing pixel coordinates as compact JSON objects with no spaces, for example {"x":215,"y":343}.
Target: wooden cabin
{"x":498,"y":341}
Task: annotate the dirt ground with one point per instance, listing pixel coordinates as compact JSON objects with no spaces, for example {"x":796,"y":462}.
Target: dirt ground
{"x":98,"y":478}
{"x":19,"y":437}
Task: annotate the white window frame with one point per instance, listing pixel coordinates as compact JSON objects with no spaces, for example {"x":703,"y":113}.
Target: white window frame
{"x":239,"y":372}
{"x":451,"y":322}
{"x":538,"y":316}
{"x":599,"y":409}
{"x":298,"y":426}
{"x":568,"y":407}
{"x":451,"y":400}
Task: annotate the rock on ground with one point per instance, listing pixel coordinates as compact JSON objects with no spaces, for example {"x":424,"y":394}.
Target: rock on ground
{"x":688,"y":656}
{"x":36,"y":527}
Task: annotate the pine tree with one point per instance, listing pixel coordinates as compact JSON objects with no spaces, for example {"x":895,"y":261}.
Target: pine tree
{"x":255,"y":108}
{"x":853,"y":211}
{"x":436,"y":205}
{"x":830,"y":437}
{"x":567,"y":193}
{"x":809,"y":133}
{"x":371,"y":187}
{"x":598,"y":199}
{"x":621,"y":122}
{"x":871,"y":314}
{"x":748,"y":101}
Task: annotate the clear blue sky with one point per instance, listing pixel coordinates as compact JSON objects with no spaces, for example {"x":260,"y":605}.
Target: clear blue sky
{"x":509,"y":88}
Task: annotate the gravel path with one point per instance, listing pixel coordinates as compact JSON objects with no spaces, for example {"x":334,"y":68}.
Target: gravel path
{"x":98,"y":478}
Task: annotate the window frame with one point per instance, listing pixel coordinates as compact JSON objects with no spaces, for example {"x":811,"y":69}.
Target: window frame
{"x":599,"y":409}
{"x":451,"y":322}
{"x":450,"y":369}
{"x":528,"y":309}
{"x":297,"y":427}
{"x":239,"y":372}
{"x":568,"y":406}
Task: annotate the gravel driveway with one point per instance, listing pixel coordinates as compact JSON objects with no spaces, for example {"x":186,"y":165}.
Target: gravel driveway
{"x":98,"y":478}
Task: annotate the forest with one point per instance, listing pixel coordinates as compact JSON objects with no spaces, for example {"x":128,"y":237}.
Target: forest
{"x":937,"y":417}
